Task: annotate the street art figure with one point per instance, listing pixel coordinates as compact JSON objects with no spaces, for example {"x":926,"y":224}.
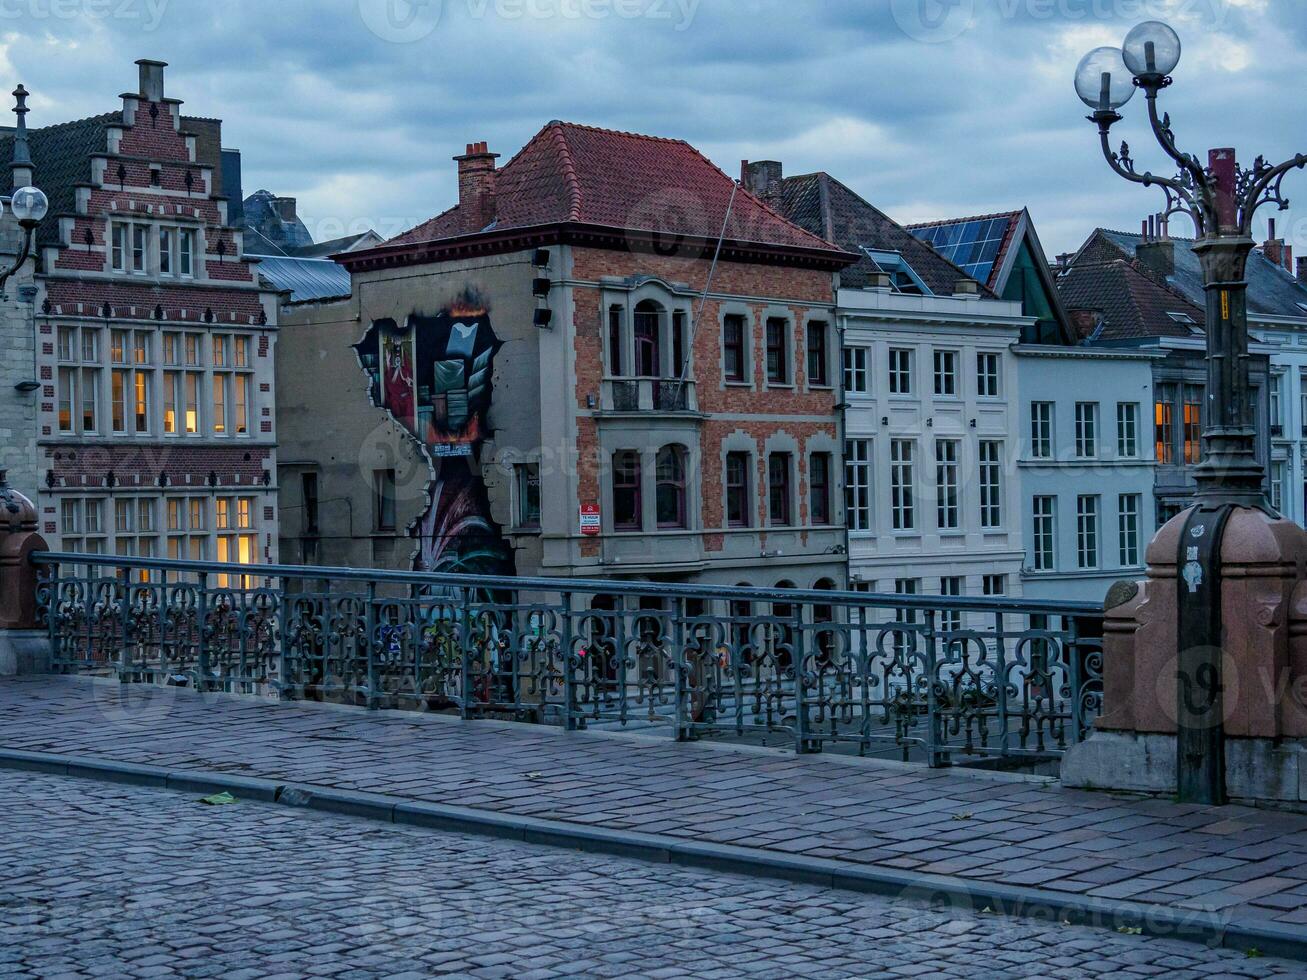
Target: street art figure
{"x":432,"y":375}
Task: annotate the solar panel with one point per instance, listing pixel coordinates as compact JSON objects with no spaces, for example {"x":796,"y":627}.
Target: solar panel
{"x":972,"y":246}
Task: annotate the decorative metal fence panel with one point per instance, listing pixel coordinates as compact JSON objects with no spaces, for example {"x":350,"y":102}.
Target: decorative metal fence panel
{"x":944,"y":675}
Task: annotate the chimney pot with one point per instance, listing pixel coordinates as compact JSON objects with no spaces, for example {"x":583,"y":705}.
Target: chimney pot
{"x":1302,"y":268}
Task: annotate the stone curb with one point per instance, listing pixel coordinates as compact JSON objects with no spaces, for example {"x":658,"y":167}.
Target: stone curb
{"x":1202,"y":926}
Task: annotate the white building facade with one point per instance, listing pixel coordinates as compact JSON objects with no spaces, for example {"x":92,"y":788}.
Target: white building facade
{"x":1086,"y":464}
{"x":930,"y":413}
{"x":1284,"y":339}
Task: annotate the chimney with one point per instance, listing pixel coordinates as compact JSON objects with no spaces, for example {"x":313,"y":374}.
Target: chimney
{"x":1273,"y":248}
{"x":1084,"y":323}
{"x":152,"y":79}
{"x":1302,"y":269}
{"x":476,"y":187}
{"x":966,"y":288}
{"x":286,"y":208}
{"x":762,"y":178}
{"x":1158,"y":255}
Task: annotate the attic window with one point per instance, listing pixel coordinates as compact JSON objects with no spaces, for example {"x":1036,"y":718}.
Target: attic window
{"x":903,"y":278}
{"x":1184,"y":318}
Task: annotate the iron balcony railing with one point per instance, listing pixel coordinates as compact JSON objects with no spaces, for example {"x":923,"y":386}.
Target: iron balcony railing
{"x":936,"y":676}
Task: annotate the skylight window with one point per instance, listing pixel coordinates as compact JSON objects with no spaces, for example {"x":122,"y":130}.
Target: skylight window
{"x":1184,"y":318}
{"x":1302,"y":306}
{"x":903,"y":278}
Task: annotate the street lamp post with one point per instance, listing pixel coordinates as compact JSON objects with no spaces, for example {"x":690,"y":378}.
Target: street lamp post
{"x":1221,"y":199}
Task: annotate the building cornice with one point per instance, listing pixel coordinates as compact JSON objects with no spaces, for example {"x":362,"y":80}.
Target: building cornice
{"x":496,"y":242}
{"x":1085,"y":353}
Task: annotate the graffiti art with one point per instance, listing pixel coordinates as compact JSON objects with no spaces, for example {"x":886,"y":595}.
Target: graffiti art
{"x":432,"y":374}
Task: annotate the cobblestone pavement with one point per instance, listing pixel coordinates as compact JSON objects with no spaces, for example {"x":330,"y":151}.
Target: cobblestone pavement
{"x":106,"y":880}
{"x":1215,"y":865}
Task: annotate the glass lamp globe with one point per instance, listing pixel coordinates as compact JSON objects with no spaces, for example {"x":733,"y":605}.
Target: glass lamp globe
{"x":30,"y":205}
{"x":1152,"y":48}
{"x":1102,"y":80}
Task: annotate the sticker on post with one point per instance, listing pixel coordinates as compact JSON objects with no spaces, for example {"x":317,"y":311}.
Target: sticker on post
{"x":1193,"y":575}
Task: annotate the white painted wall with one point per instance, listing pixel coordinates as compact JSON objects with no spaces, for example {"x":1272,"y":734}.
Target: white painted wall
{"x":1286,"y":339}
{"x":1065,"y":376}
{"x":879,"y":322}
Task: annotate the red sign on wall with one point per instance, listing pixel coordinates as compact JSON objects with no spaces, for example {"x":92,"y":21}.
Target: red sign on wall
{"x":590,"y":524}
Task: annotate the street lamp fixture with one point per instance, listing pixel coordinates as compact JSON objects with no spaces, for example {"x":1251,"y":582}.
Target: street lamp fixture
{"x":1221,"y":199}
{"x":29,"y":204}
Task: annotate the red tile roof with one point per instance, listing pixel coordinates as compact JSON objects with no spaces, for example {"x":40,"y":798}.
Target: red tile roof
{"x":569,"y":173}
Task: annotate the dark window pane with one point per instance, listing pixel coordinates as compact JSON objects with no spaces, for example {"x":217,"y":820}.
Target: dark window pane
{"x":626,"y":492}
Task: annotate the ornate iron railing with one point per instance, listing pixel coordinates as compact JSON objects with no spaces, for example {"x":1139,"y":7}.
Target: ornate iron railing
{"x":945,"y":675}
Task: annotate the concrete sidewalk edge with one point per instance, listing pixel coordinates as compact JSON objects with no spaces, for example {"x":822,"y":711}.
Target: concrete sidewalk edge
{"x":1204,"y":926}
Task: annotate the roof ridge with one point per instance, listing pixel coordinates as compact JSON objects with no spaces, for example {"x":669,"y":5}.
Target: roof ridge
{"x":563,"y":123}
{"x":569,"y":163}
{"x":102,"y":117}
{"x":957,"y":221}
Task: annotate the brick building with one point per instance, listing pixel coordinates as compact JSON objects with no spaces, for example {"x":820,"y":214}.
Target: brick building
{"x":553,"y":377}
{"x":154,"y":340}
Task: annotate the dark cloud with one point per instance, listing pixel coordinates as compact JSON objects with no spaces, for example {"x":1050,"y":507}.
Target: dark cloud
{"x":928,"y":107}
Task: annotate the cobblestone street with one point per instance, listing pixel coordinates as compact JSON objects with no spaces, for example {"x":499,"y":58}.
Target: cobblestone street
{"x":104,"y":880}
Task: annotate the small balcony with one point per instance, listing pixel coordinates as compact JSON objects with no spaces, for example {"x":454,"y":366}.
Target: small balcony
{"x":667,"y":396}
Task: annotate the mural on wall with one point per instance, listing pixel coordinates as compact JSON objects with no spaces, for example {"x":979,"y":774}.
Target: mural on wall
{"x":432,"y":375}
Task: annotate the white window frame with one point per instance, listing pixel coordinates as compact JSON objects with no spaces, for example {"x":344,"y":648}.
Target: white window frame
{"x":903,"y":484}
{"x":1129,"y":509}
{"x":1127,"y":430}
{"x":948,"y":494}
{"x":945,"y":364}
{"x":988,"y":373}
{"x":1043,"y":538}
{"x":1088,"y":511}
{"x":990,"y":471}
{"x":858,"y":486}
{"x":900,"y":371}
{"x":854,"y":361}
{"x":1086,"y":430}
{"x":1042,"y":441}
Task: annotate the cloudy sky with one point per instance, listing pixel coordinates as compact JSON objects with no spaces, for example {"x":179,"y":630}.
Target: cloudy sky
{"x":929,"y":108}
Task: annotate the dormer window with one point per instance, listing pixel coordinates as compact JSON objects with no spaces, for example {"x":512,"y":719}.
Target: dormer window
{"x":903,"y":278}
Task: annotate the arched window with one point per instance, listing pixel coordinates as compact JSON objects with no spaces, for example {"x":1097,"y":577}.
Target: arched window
{"x":670,"y":495}
{"x":649,"y":317}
